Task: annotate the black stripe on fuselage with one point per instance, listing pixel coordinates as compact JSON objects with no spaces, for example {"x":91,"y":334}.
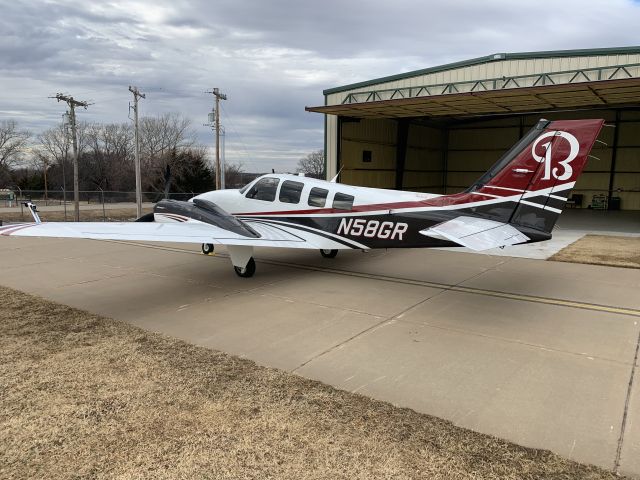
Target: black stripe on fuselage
{"x":276,"y":226}
{"x":328,"y":227}
{"x":290,"y":223}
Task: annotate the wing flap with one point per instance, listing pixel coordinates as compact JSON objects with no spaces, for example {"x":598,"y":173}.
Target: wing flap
{"x":477,"y":233}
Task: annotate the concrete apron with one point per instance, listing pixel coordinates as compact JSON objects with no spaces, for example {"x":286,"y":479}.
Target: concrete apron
{"x":539,"y":353}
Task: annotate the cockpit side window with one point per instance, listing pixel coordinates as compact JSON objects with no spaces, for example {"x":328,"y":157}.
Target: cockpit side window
{"x":342,"y":201}
{"x":290,"y":191}
{"x":264,"y":189}
{"x":318,"y":197}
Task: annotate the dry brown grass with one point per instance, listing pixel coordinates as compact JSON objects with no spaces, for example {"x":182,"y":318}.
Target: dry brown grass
{"x":608,"y":250}
{"x":88,"y":397}
{"x":92,"y":215}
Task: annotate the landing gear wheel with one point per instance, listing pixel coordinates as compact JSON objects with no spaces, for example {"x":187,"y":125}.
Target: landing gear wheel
{"x":207,"y":248}
{"x":247,"y":271}
{"x":329,"y":253}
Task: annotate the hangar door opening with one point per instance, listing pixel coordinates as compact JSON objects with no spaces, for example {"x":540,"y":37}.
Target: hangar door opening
{"x":448,"y":155}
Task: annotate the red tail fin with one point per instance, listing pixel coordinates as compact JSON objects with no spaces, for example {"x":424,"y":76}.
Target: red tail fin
{"x":542,"y":169}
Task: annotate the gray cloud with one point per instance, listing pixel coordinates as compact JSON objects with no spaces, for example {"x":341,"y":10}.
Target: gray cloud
{"x":271,"y":58}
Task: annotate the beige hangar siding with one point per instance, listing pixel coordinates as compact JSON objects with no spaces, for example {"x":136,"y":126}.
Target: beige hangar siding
{"x":496,"y":69}
{"x":447,"y":159}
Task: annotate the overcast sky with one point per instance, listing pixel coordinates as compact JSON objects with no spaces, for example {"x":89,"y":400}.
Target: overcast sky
{"x":272,"y":58}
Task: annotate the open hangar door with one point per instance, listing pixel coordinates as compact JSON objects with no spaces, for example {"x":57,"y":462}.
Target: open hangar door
{"x":447,"y":155}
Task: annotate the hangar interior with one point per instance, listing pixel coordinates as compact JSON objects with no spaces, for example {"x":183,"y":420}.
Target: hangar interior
{"x":437,"y":130}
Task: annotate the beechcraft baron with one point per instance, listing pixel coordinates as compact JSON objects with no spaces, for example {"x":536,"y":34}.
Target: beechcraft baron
{"x":517,"y":201}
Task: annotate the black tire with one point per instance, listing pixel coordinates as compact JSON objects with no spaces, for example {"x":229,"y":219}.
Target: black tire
{"x":329,"y":253}
{"x":247,"y":271}
{"x":207,"y":248}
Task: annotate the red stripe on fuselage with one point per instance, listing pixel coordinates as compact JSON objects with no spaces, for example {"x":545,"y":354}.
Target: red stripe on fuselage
{"x":442,"y":201}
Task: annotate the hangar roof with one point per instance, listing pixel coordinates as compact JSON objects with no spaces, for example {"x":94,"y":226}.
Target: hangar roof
{"x":503,"y":83}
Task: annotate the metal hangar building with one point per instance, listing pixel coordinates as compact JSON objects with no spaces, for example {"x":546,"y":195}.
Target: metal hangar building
{"x":438,"y":129}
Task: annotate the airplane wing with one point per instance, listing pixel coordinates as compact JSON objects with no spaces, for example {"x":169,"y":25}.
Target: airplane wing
{"x":257,"y":235}
{"x":476,"y":233}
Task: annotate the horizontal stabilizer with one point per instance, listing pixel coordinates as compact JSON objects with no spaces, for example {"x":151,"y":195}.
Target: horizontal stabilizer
{"x":476,"y":233}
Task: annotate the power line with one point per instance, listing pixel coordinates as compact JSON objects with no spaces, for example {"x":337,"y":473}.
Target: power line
{"x":244,"y":147}
{"x":74,"y":141}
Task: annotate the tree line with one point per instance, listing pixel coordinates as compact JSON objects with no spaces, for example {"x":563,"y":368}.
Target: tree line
{"x":171,"y":158}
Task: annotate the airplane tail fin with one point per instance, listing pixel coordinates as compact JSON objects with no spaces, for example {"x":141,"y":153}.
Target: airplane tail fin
{"x":536,"y":176}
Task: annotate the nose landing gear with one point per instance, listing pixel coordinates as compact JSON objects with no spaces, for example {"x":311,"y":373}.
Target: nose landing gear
{"x":207,"y":248}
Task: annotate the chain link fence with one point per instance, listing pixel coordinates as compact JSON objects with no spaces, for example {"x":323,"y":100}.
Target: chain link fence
{"x":88,"y":197}
{"x":95,"y":205}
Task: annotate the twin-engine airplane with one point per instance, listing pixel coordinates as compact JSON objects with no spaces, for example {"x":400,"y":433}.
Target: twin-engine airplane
{"x":517,"y":201}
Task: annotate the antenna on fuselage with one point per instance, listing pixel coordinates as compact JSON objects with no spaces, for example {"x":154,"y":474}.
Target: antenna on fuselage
{"x":335,"y":179}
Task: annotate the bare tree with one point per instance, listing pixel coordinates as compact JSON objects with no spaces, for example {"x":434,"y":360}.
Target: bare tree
{"x":41,"y":163}
{"x":162,"y":134}
{"x":53,"y":144}
{"x":108,"y":159}
{"x":12,"y":143}
{"x":233,"y":175}
{"x":312,"y":165}
{"x":163,"y":142}
{"x":53,"y":150}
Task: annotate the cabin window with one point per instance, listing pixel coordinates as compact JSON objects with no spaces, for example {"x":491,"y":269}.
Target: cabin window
{"x":290,"y":191}
{"x":342,"y":201}
{"x":264,"y":189}
{"x":318,"y":197}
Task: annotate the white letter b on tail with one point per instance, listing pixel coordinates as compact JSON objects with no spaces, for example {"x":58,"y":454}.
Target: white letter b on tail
{"x":567,"y":171}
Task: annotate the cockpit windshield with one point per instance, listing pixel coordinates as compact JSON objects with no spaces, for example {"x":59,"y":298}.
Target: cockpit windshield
{"x":264,"y":189}
{"x":244,"y":189}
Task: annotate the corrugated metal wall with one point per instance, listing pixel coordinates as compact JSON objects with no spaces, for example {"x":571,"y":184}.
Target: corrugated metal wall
{"x":377,"y":137}
{"x":626,"y":181}
{"x":496,"y":69}
{"x":423,"y":170}
{"x":424,"y":163}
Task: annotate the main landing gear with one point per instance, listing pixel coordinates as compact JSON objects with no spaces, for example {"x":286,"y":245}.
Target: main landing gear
{"x":329,"y":253}
{"x":248,"y":270}
{"x":241,"y":258}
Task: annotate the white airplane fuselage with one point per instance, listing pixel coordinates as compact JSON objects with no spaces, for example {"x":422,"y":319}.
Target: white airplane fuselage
{"x":235,"y":202}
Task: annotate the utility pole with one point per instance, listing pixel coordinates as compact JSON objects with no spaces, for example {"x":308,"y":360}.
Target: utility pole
{"x":137,"y":94}
{"x":216,"y":110}
{"x":74,"y":141}
{"x":65,"y":129}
